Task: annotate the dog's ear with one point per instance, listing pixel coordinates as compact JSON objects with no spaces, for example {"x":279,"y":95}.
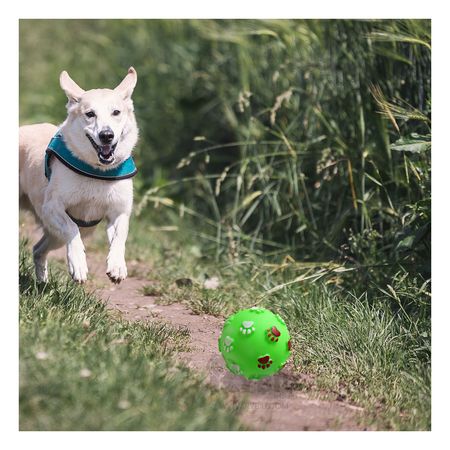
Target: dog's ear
{"x":127,"y":85}
{"x":72,"y":90}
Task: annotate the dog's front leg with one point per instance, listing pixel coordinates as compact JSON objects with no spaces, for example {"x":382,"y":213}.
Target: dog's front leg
{"x":117,"y":231}
{"x":57,"y":222}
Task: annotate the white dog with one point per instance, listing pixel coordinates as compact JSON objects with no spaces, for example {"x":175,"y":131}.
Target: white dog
{"x":73,"y":177}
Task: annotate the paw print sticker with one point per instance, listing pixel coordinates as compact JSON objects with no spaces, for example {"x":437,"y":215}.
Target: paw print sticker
{"x":273,"y":334}
{"x":264,"y":362}
{"x":247,"y":327}
{"x":227,"y":343}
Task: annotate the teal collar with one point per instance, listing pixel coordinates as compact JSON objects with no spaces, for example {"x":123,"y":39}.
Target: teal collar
{"x":58,"y":148}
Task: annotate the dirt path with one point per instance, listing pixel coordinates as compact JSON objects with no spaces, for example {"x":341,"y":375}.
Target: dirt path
{"x":273,"y":403}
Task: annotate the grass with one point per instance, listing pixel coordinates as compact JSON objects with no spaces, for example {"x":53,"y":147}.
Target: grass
{"x":368,"y":354}
{"x":81,"y":369}
{"x":373,"y":350}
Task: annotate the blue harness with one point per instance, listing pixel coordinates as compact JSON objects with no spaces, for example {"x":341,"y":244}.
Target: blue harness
{"x":58,"y":148}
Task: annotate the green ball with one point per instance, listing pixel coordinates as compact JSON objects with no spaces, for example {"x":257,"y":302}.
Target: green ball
{"x":255,"y":343}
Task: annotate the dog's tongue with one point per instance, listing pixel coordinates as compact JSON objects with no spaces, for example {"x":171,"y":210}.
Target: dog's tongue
{"x":106,"y":150}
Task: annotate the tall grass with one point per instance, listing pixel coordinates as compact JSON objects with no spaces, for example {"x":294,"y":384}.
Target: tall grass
{"x":280,"y":134}
{"x":327,"y":147}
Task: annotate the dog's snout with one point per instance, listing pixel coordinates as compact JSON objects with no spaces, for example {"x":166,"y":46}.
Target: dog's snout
{"x":106,"y":136}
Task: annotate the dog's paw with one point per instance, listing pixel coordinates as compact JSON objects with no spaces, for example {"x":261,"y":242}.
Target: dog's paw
{"x":76,"y":260}
{"x":116,"y":270}
{"x":41,"y":270}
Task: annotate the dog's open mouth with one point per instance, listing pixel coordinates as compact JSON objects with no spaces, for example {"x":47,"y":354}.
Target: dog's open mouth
{"x":105,"y":152}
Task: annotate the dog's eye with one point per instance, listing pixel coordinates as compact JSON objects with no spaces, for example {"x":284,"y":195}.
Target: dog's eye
{"x":90,"y":114}
{"x":116,"y":112}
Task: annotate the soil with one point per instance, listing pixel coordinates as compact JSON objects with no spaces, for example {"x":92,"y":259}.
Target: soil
{"x":285,"y":401}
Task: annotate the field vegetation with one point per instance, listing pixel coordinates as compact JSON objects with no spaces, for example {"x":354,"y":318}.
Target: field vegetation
{"x":290,"y":158}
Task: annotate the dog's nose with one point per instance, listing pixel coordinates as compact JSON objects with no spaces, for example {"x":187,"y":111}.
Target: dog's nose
{"x":106,"y":136}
